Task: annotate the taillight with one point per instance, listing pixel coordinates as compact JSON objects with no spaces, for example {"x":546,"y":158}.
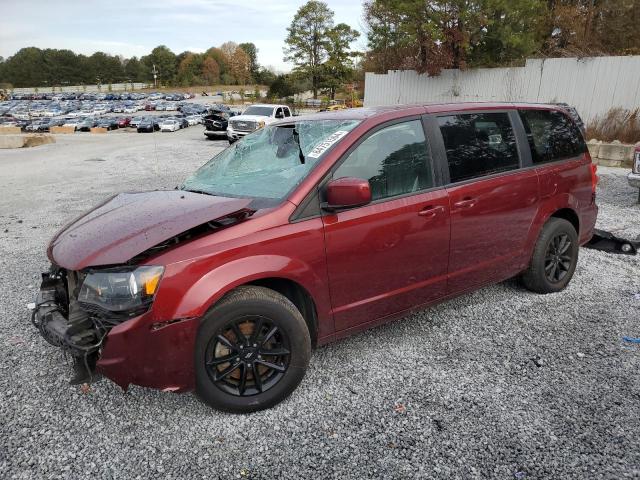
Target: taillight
{"x":594,"y":178}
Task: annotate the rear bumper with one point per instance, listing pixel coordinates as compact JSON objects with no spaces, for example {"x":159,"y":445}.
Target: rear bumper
{"x":215,"y":133}
{"x":634,"y":179}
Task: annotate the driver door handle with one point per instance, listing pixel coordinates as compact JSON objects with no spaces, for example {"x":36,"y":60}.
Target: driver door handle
{"x":431,"y":211}
{"x":466,"y":202}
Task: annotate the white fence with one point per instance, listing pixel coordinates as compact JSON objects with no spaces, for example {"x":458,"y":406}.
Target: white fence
{"x":105,"y":88}
{"x":593,"y":85}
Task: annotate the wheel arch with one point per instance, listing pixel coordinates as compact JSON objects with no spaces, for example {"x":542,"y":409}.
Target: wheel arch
{"x":298,"y":295}
{"x":563,"y":206}
{"x":569,"y":215}
{"x":294,"y":279}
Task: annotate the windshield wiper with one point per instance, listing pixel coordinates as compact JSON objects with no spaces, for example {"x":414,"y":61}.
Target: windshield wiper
{"x":296,"y":137}
{"x":197,"y":191}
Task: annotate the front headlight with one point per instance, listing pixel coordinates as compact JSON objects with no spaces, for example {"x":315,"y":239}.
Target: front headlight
{"x":121,"y":289}
{"x":261,"y":124}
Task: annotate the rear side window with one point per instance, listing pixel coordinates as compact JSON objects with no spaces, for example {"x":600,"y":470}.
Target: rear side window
{"x":552,"y":136}
{"x":478,"y":144}
{"x":394,"y":160}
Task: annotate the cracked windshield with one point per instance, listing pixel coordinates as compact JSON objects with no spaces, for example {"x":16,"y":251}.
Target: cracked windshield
{"x":270,"y":162}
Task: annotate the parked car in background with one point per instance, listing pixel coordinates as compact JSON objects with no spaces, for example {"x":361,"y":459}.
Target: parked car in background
{"x":135,"y":121}
{"x":72,"y":122}
{"x":87,"y":124}
{"x":254,"y":118}
{"x":169,"y":125}
{"x":148,"y":125}
{"x":313,"y":229}
{"x":193,"y":119}
{"x":216,"y":123}
{"x":110,"y":123}
{"x":123,"y":122}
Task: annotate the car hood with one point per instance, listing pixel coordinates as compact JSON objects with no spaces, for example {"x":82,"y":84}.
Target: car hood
{"x":249,"y":118}
{"x":128,"y":224}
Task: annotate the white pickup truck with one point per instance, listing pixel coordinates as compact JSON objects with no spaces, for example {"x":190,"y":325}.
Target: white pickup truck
{"x":253,"y":118}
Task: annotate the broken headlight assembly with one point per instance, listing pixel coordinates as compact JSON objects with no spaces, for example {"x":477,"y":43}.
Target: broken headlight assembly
{"x":127,"y":291}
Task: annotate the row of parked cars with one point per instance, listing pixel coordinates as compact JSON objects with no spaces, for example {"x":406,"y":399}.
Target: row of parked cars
{"x":168,"y":123}
{"x":88,"y":111}
{"x":102,"y":96}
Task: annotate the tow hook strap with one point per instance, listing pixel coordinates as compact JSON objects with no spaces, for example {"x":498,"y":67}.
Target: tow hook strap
{"x":608,"y":242}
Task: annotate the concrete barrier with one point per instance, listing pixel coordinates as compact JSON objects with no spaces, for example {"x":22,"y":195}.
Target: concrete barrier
{"x":613,"y":154}
{"x":20,"y":141}
{"x":98,"y":130}
{"x":62,"y":130}
{"x":10,"y":130}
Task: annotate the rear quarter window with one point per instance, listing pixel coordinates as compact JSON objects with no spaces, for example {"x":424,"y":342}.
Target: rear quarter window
{"x":552,"y":136}
{"x":478,"y":144}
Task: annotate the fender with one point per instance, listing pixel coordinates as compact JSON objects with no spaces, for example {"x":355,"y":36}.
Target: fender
{"x":209,"y":288}
{"x":548,"y":206}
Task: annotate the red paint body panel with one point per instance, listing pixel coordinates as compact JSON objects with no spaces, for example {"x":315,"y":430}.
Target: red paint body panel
{"x":361,"y":267}
{"x":489,"y":228}
{"x":385,"y":257}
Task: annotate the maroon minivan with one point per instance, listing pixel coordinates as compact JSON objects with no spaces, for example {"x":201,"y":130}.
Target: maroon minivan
{"x":309,"y":230}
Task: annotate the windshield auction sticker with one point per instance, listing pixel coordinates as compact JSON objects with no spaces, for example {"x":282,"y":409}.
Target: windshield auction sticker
{"x":323,"y":146}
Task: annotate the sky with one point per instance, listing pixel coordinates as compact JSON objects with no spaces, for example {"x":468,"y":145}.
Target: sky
{"x":135,"y":27}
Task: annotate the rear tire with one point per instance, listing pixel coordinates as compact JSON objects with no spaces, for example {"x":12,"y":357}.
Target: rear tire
{"x":554,"y":259}
{"x":252,"y":350}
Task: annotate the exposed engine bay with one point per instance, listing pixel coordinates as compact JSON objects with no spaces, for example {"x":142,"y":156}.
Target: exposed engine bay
{"x":76,"y":309}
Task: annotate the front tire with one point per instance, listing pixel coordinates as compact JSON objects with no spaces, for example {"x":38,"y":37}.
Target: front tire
{"x":252,"y":350}
{"x":554,"y":259}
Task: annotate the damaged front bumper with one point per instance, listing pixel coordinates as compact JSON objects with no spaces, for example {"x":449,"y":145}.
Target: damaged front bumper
{"x":141,"y":350}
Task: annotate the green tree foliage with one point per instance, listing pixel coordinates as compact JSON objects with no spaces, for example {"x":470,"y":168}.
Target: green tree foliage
{"x":431,"y":35}
{"x":134,"y":70}
{"x":339,"y":67}
{"x":507,"y":31}
{"x":434,"y":34}
{"x":307,"y":41}
{"x":165,"y":62}
{"x":281,"y":87}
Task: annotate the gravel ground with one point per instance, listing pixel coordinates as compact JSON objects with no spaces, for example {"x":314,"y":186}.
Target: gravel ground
{"x":501,"y":383}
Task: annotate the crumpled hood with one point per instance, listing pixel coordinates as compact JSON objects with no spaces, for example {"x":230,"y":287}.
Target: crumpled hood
{"x":130,"y":223}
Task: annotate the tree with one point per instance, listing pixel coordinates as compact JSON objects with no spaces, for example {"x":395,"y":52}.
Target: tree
{"x":210,"y":71}
{"x":507,"y":31}
{"x":307,"y":41}
{"x":164,"y":61}
{"x":431,"y":35}
{"x":592,"y":27}
{"x":26,"y":68}
{"x":237,"y":61}
{"x":339,"y":67}
{"x":252,"y":52}
{"x":134,"y":70}
{"x":219,"y":56}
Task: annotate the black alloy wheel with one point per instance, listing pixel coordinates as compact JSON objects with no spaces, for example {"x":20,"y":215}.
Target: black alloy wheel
{"x":248,"y":356}
{"x":558,"y":259}
{"x":554,"y":258}
{"x":252,"y":350}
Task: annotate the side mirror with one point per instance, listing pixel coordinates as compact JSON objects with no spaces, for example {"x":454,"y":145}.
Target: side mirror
{"x":347,"y":192}
{"x":279,"y":115}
